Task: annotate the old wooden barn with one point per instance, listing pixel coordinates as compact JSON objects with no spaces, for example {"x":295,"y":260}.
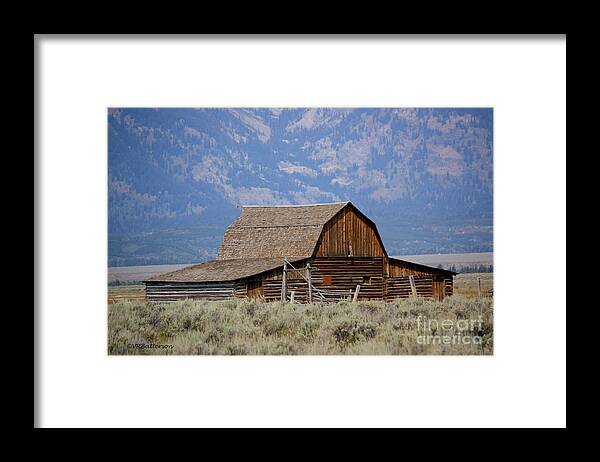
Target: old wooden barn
{"x":320,"y":252}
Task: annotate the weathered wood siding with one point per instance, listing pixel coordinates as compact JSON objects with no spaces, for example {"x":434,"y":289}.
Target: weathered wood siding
{"x":254,"y":288}
{"x":396,"y":269}
{"x":173,"y":291}
{"x":347,"y":273}
{"x":448,"y":286}
{"x":400,"y":287}
{"x":272,"y":290}
{"x":240,"y":289}
{"x":397,"y":288}
{"x":338,"y":277}
{"x":349,"y":234}
{"x":438,"y":287}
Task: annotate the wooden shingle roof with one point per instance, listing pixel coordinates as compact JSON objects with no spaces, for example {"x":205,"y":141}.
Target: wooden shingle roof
{"x":276,"y":231}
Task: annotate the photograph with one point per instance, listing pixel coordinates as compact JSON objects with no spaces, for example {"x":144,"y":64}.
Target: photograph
{"x":300,"y":231}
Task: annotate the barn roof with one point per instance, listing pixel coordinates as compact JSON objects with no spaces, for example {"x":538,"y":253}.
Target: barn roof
{"x":421,"y":267}
{"x":221,"y":270}
{"x":277,"y":231}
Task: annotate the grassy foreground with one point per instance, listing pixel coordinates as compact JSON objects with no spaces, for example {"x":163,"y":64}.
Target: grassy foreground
{"x":248,"y":327}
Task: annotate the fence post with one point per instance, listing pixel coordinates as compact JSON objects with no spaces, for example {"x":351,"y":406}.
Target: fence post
{"x":356,"y":293}
{"x":309,"y":281}
{"x":413,"y":287}
{"x":292,"y":293}
{"x":478,"y":286}
{"x":284,"y":282}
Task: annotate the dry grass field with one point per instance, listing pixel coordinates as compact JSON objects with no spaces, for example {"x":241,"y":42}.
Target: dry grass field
{"x":404,"y":327}
{"x":456,"y":326}
{"x":466,"y":284}
{"x":125,"y":292}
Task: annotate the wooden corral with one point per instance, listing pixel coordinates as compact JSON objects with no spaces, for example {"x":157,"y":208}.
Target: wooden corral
{"x":318,"y":252}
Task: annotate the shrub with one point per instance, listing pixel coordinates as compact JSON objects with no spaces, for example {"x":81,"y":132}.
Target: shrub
{"x":238,"y":327}
{"x":351,"y":331}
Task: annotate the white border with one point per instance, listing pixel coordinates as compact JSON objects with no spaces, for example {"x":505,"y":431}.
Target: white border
{"x":522,"y":385}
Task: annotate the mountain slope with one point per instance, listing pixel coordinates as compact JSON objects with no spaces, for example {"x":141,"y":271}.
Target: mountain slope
{"x":424,"y":175}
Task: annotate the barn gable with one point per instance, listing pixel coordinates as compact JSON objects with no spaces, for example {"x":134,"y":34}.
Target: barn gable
{"x":350,"y":233}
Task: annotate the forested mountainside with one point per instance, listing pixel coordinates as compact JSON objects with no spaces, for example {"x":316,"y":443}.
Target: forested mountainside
{"x":177,"y":176}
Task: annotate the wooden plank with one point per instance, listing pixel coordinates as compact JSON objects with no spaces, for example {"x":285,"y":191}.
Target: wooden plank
{"x":355,"y":298}
{"x":309,"y":284}
{"x":284,"y":283}
{"x":413,"y":287}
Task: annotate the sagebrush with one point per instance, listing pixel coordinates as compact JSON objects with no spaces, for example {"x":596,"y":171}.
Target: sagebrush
{"x":250,"y":327}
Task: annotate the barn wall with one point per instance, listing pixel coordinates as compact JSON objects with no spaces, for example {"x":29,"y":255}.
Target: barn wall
{"x":438,"y":288}
{"x":338,"y":277}
{"x":441,"y":284}
{"x":448,"y":286}
{"x":397,"y":269}
{"x":172,"y":291}
{"x":399,"y":287}
{"x":272,"y":290}
{"x":348,"y":234}
{"x":278,"y":274}
{"x":240,"y":289}
{"x":255,"y":288}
